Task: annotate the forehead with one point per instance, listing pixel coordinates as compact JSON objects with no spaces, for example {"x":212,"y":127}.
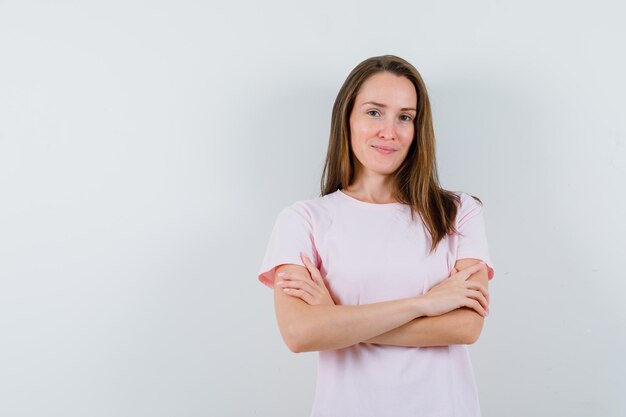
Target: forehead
{"x":389,"y":89}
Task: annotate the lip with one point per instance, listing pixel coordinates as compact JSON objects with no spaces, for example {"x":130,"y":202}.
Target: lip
{"x":385,"y":150}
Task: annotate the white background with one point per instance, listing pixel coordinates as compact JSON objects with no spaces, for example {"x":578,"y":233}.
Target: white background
{"x":147,"y":147}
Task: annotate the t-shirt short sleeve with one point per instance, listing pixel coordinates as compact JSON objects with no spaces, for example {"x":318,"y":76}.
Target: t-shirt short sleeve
{"x":472,"y":239}
{"x":292,"y":233}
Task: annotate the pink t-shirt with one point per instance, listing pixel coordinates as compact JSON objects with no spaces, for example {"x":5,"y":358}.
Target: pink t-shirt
{"x":369,"y":253}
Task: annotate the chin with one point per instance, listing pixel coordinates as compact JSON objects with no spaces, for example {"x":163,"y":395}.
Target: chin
{"x":384,"y":170}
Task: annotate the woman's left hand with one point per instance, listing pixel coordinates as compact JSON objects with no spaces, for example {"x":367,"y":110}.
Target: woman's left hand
{"x":311,"y":290}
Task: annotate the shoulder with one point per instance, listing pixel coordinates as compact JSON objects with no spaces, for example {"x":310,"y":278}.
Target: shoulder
{"x":468,"y":199}
{"x":312,"y":210}
{"x":313,"y":207}
{"x":469,"y":206}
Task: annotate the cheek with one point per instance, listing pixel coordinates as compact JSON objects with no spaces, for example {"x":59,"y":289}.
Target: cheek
{"x":359,"y":127}
{"x":360,"y":131}
{"x":407,"y":134}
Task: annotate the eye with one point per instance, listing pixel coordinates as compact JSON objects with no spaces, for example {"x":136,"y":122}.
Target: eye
{"x":407,"y":118}
{"x":372,"y":111}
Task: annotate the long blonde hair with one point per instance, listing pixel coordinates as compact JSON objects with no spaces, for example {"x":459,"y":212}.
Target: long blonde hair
{"x":415,"y":182}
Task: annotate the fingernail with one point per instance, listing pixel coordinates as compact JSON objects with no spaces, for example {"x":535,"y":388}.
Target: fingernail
{"x":281,"y":283}
{"x":281,"y":274}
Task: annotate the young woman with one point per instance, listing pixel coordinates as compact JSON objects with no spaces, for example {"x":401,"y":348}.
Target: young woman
{"x":386,"y":273}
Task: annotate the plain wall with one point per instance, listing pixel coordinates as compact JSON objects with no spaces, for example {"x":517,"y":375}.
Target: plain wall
{"x":146,"y":149}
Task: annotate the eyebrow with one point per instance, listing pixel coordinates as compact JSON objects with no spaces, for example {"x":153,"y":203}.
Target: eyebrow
{"x":382,"y":105}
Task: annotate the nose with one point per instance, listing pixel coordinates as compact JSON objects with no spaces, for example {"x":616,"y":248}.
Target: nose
{"x":387,"y":130}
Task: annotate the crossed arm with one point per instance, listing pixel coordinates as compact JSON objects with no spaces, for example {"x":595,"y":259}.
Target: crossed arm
{"x":460,"y":326}
{"x":401,"y":322}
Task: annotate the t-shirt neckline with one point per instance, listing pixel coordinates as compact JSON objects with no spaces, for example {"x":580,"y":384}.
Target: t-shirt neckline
{"x":366,"y":204}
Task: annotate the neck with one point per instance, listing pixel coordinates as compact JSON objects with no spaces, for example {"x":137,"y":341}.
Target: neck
{"x":377,"y":191}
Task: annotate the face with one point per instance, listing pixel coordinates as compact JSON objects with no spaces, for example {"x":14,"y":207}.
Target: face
{"x":383,"y":118}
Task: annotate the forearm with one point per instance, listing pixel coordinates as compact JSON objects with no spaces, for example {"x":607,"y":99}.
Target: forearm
{"x":312,"y":327}
{"x":323,"y":327}
{"x":460,"y":326}
{"x":455,"y":327}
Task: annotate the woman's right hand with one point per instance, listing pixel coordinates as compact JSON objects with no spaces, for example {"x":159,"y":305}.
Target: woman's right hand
{"x":455,"y":292}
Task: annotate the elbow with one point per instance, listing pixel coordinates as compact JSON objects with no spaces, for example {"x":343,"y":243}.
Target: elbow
{"x":295,"y":339}
{"x":473,"y":328}
{"x":471,"y":338}
{"x":303,"y":331}
{"x":296,"y":345}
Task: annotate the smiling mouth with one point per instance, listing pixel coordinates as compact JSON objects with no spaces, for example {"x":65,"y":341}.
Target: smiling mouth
{"x":383,"y":150}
